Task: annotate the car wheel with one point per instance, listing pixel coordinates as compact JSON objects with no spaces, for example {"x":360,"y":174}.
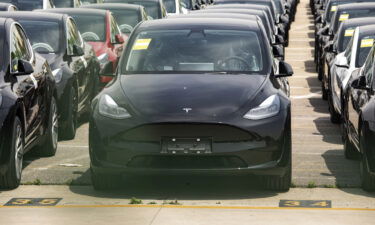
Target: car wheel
{"x":282,"y":183}
{"x":69,"y":131}
{"x":334,"y":116}
{"x":349,"y":149}
{"x":324,"y":92}
{"x":12,"y":177}
{"x":51,"y":137}
{"x":105,"y":181}
{"x":367,"y":179}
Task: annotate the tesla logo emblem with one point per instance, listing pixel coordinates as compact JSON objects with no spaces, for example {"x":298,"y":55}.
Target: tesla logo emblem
{"x":187,"y":109}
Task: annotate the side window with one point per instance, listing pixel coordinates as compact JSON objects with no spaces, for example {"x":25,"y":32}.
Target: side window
{"x":115,"y":30}
{"x":348,"y":50}
{"x":73,"y":36}
{"x":368,"y":67}
{"x":19,"y":47}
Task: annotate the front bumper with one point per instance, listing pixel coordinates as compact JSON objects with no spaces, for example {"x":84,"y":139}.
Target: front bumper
{"x":241,"y":147}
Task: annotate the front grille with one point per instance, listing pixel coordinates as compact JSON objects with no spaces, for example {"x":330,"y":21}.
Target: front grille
{"x":186,"y":162}
{"x":218,"y":132}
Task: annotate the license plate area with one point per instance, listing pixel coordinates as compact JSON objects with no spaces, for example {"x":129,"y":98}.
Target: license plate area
{"x":171,"y":145}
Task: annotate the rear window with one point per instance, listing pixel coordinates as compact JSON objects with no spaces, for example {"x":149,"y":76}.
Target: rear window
{"x":126,"y":19}
{"x":91,"y":27}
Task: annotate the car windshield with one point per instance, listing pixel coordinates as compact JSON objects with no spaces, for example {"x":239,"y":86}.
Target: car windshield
{"x":26,"y":5}
{"x":364,"y":46}
{"x":195,"y":51}
{"x":91,"y":27}
{"x":344,"y":37}
{"x":152,"y":8}
{"x":350,"y":14}
{"x":170,"y":6}
{"x":44,"y":36}
{"x":126,"y":18}
{"x":63,"y":3}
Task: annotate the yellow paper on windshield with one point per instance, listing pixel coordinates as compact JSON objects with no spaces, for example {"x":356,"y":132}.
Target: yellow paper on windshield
{"x":366,"y":43}
{"x":344,"y":17}
{"x":142,"y":44}
{"x":334,"y":8}
{"x":349,"y":32}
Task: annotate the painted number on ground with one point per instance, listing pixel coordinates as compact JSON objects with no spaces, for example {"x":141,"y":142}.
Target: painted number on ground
{"x":306,"y":203}
{"x":33,"y":202}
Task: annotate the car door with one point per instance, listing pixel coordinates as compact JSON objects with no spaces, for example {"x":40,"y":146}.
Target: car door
{"x":359,"y":97}
{"x":78,"y":63}
{"x":28,"y":85}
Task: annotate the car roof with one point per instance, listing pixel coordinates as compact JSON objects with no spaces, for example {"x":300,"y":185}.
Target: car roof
{"x":114,"y":6}
{"x":80,"y":11}
{"x":188,"y":23}
{"x":215,"y":15}
{"x":366,"y":29}
{"x":360,"y":5}
{"x":33,"y":15}
{"x":358,"y":21}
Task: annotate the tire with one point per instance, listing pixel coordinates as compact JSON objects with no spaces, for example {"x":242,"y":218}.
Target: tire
{"x":334,"y":116}
{"x":281,"y":183}
{"x":12,"y":177}
{"x":349,"y":150}
{"x":51,"y":137}
{"x":69,"y":131}
{"x":367,"y":179}
{"x":105,"y":181}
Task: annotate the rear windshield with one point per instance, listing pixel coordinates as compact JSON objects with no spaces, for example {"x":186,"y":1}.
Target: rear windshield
{"x":126,"y":19}
{"x":44,"y":36}
{"x":175,"y":51}
{"x":152,"y":8}
{"x":91,"y":27}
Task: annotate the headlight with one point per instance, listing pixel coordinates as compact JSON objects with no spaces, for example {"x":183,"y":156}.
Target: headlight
{"x":103,"y":59}
{"x":109,"y":108}
{"x":57,"y":73}
{"x":269,"y":107}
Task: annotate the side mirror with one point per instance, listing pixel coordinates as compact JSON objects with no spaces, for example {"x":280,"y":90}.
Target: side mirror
{"x":196,"y":7}
{"x":285,"y":70}
{"x":24,"y":67}
{"x":279,"y":39}
{"x":328,"y":47}
{"x":78,"y":50}
{"x":119,"y":39}
{"x":359,"y":83}
{"x":318,"y":19}
{"x":277,"y":51}
{"x":323,"y":31}
{"x":281,"y":31}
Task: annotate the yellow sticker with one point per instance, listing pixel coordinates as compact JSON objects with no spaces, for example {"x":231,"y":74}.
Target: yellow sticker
{"x":344,"y":17}
{"x":349,"y":32}
{"x":142,"y":44}
{"x":365,"y":43}
{"x":334,"y":8}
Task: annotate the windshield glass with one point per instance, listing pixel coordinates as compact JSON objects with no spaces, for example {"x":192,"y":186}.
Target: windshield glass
{"x":344,"y":38}
{"x":63,"y":3}
{"x":44,"y":35}
{"x":152,"y":8}
{"x":170,"y":5}
{"x":127,"y":19}
{"x":26,"y":5}
{"x":350,"y":14}
{"x":365,"y":44}
{"x":182,"y":51}
{"x":91,"y":27}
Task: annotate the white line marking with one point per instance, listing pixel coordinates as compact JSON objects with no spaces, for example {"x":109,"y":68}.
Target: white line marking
{"x":312,"y":95}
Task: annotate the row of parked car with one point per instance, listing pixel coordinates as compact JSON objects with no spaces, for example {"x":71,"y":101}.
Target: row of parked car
{"x":344,"y":57}
{"x":217,"y":74}
{"x":54,"y":62}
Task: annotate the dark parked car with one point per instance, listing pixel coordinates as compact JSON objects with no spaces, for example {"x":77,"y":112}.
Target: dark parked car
{"x":127,"y":15}
{"x":158,"y":116}
{"x":73,"y":63}
{"x":155,"y":8}
{"x":29,"y":5}
{"x":7,"y":7}
{"x":359,"y":120}
{"x":28,"y":111}
{"x":99,"y":29}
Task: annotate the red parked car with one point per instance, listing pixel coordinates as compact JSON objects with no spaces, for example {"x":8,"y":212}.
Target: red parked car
{"x":99,"y":28}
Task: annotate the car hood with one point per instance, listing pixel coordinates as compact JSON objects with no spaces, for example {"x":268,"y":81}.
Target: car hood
{"x":200,"y":96}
